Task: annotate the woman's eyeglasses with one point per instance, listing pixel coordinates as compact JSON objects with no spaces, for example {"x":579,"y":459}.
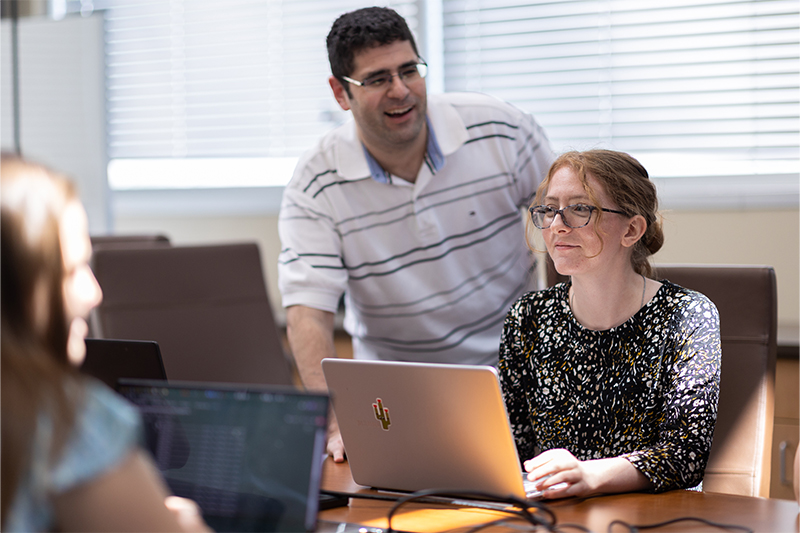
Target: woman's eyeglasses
{"x":573,"y":216}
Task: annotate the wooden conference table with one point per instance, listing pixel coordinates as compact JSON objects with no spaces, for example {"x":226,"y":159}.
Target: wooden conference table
{"x":759,"y":514}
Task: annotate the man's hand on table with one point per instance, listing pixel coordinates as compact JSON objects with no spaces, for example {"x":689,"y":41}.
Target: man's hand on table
{"x":335,"y":444}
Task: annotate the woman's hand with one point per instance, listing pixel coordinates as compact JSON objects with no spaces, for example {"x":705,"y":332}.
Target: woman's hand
{"x":560,"y":474}
{"x":557,"y":473}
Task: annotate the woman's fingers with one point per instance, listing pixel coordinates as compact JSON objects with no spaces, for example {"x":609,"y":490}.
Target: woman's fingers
{"x":557,"y":473}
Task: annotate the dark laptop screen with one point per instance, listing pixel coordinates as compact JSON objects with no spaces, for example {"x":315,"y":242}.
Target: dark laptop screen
{"x":249,"y":456}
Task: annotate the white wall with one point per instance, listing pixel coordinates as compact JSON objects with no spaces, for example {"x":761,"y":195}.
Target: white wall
{"x":62,"y":103}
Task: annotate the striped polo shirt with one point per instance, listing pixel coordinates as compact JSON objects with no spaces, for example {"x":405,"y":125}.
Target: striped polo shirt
{"x":428,"y":269}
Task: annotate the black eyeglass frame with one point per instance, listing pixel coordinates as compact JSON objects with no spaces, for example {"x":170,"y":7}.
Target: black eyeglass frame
{"x":420,"y":66}
{"x":556,"y":212}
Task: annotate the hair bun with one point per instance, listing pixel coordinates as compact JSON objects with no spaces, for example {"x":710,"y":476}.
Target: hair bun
{"x":654,"y":236}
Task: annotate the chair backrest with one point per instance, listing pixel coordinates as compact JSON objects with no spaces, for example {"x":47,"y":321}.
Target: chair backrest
{"x":746,"y":297}
{"x":206,"y":306}
{"x":129,"y":241}
{"x":123,"y":241}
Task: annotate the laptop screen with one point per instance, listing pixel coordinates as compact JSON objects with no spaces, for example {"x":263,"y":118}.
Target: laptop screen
{"x":250,"y":456}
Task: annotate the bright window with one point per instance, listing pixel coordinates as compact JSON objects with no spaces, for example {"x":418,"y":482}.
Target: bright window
{"x":690,"y":87}
{"x":237,"y":90}
{"x":203,"y":93}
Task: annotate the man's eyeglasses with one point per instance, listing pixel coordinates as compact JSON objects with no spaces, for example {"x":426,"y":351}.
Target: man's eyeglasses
{"x":573,"y":216}
{"x":407,"y":74}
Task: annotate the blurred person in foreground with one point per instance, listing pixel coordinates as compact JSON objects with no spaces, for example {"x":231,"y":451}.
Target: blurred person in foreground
{"x":611,"y":379}
{"x":70,"y":454}
{"x":413,"y":211}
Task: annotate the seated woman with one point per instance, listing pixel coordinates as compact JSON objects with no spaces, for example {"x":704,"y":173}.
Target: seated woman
{"x":611,"y":379}
{"x":70,"y":459}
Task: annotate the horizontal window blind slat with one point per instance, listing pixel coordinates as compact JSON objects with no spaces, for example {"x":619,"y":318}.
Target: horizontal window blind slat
{"x":571,"y":115}
{"x":777,"y":43}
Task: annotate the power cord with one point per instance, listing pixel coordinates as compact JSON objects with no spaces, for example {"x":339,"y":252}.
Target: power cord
{"x":634,"y":528}
{"x":545,"y":518}
{"x":520,"y":509}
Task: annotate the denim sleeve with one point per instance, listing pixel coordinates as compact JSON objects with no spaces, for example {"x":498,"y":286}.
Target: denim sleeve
{"x":107,"y":428}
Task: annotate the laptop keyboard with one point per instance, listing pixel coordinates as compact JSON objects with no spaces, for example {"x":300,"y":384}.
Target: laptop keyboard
{"x":530,"y":487}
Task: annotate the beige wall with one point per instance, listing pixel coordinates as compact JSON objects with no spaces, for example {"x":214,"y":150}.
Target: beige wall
{"x":734,"y":237}
{"x":742,"y":237}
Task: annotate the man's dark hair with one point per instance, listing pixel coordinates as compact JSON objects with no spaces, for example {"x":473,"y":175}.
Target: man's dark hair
{"x":360,"y":29}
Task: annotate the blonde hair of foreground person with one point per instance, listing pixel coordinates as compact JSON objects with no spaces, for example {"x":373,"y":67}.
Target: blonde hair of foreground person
{"x":47,"y":292}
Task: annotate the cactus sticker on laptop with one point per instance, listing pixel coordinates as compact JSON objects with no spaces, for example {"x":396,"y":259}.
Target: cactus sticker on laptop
{"x":382,"y":414}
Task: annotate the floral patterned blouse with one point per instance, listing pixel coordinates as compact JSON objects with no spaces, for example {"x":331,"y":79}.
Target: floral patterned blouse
{"x":646,"y":390}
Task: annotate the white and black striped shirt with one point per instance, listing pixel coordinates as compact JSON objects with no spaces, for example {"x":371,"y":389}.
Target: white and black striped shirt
{"x":429,"y":269}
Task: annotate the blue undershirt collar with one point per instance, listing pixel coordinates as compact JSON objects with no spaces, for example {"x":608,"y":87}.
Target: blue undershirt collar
{"x":433,"y":155}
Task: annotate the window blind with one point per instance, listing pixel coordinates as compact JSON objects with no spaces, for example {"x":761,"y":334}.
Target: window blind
{"x":239,"y":79}
{"x":690,"y":87}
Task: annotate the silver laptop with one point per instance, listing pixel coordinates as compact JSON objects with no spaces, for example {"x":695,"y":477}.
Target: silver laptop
{"x":415,"y":426}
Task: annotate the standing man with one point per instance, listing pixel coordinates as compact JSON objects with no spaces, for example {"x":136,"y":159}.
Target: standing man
{"x":411,"y":210}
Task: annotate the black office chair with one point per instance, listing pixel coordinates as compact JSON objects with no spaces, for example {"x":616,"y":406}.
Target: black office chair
{"x":129,"y":241}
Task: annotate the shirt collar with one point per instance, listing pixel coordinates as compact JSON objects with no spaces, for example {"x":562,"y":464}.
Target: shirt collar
{"x":434,"y":153}
{"x":447,"y":134}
